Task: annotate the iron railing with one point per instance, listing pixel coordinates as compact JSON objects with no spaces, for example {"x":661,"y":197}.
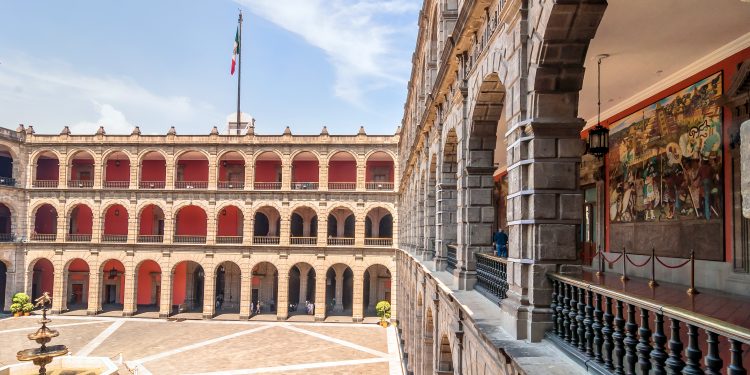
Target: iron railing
{"x":340,"y":241}
{"x":7,"y":181}
{"x":342,"y":186}
{"x":80,"y":184}
{"x":150,"y":238}
{"x":191,"y":184}
{"x":303,"y":240}
{"x":266,"y":240}
{"x":116,"y":184}
{"x":225,"y":240}
{"x":379,"y":185}
{"x":492,"y":276}
{"x":77,"y":237}
{"x":381,"y":242}
{"x":451,"y":260}
{"x":45,"y":183}
{"x":305,"y":186}
{"x":189,"y":239}
{"x":114,"y":238}
{"x":152,"y":184}
{"x":267,"y":185}
{"x":7,"y":237}
{"x":231,"y":185}
{"x":43,"y":237}
{"x":613,"y":332}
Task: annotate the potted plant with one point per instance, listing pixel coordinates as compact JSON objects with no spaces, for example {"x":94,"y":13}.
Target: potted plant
{"x":383,"y":309}
{"x":20,"y":300}
{"x":28,"y":308}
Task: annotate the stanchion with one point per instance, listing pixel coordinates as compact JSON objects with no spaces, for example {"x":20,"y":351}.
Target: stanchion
{"x":624,"y":276}
{"x":692,"y":291}
{"x":601,"y":262}
{"x":652,"y":283}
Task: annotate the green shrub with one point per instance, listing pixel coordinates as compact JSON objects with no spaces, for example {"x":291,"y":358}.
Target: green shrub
{"x":383,"y":309}
{"x":16,"y":308}
{"x":28,"y":307}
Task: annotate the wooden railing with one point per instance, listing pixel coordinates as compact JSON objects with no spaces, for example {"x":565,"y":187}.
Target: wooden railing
{"x":266,"y":240}
{"x":80,"y":184}
{"x":613,"y":331}
{"x":340,"y":241}
{"x":492,"y":275}
{"x":381,"y":242}
{"x":152,"y":184}
{"x":379,"y":185}
{"x":116,"y":184}
{"x":114,"y":238}
{"x":74,"y":237}
{"x":342,"y":186}
{"x":267,"y":185}
{"x":305,"y":186}
{"x":7,"y":181}
{"x":150,"y":238}
{"x":43,"y":237}
{"x":451,"y":260}
{"x":303,"y":240}
{"x":233,"y":185}
{"x":235,"y":240}
{"x":189,"y":239}
{"x":191,"y":184}
{"x":45,"y":183}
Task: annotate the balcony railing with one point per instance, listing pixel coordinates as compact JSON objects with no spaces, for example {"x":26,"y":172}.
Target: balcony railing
{"x":233,"y":185}
{"x":6,"y":237}
{"x":340,"y":241}
{"x":43,"y":237}
{"x":267,"y":185}
{"x":152,"y":184}
{"x":7,"y":181}
{"x":150,"y":238}
{"x":379,"y":185}
{"x":80,"y":184}
{"x":116,"y":184}
{"x":45,"y":183}
{"x":613,"y":332}
{"x":265,"y":240}
{"x":342,"y":186}
{"x":303,"y":240}
{"x":492,"y":276}
{"x":305,"y":185}
{"x":235,"y":240}
{"x":381,"y":242}
{"x":115,"y":238}
{"x":75,"y":237}
{"x":189,"y":239}
{"x":191,"y":184}
{"x":450,"y":257}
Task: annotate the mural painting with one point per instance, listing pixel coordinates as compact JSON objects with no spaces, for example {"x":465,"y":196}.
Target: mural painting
{"x":665,"y":166}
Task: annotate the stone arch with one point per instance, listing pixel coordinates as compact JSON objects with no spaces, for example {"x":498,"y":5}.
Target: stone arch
{"x":349,"y":152}
{"x":111,"y":279}
{"x":77,"y":286}
{"x":41,"y":271}
{"x":445,"y":354}
{"x":447,"y":198}
{"x":230,"y":223}
{"x":303,"y":220}
{"x":302,"y":283}
{"x":265,"y":281}
{"x":190,"y":222}
{"x":231,"y":167}
{"x":377,"y":279}
{"x":116,"y":163}
{"x":148,"y":282}
{"x":188,"y":285}
{"x":268,"y":224}
{"x":339,"y":289}
{"x":430,"y":193}
{"x":79,"y":223}
{"x":180,"y":153}
{"x":115,"y":223}
{"x":379,"y":222}
{"x":143,"y":153}
{"x":45,"y":168}
{"x":341,"y":222}
{"x":268,"y":168}
{"x":428,"y":341}
{"x":227,"y":284}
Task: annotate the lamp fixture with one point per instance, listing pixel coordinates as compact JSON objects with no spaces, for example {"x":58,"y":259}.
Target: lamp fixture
{"x":117,"y":163}
{"x":224,"y":163}
{"x":598,"y":139}
{"x":117,"y":212}
{"x":113,"y":273}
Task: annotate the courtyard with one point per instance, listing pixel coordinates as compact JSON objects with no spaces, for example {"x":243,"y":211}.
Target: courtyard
{"x":184,"y":346}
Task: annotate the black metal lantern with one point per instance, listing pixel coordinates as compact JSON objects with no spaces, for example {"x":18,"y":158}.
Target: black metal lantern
{"x":113,"y":273}
{"x":598,"y":143}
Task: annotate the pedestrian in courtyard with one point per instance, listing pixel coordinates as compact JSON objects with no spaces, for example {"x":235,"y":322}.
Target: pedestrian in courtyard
{"x":252,"y":308}
{"x":311,"y":309}
{"x":501,"y":243}
{"x":258,"y":308}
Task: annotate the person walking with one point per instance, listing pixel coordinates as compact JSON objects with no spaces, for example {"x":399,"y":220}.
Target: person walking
{"x":252,"y":308}
{"x":500,"y":239}
{"x":258,"y":308}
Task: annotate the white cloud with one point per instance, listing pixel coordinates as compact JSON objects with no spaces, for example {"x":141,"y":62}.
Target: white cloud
{"x":364,"y":48}
{"x":113,"y":121}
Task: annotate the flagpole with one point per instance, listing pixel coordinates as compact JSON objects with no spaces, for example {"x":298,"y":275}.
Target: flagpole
{"x":239,"y":72}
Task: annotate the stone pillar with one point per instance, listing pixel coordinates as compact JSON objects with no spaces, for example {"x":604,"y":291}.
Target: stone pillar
{"x":246,"y":291}
{"x":320,"y":295}
{"x":358,"y":297}
{"x":135,"y":168}
{"x":303,"y":272}
{"x":130,"y":302}
{"x":322,"y":230}
{"x":170,"y":165}
{"x":359,"y":232}
{"x":209,"y":291}
{"x":165,"y":299}
{"x":95,"y":290}
{"x":373,"y":289}
{"x":211,"y":225}
{"x":445,"y":222}
{"x":286,"y":174}
{"x":282,"y":305}
{"x":323,"y":174}
{"x":361,"y":176}
{"x":213,"y":169}
{"x":59,"y":299}
{"x":339,"y":295}
{"x":249,"y":175}
{"x":247,"y":227}
{"x":285,"y":230}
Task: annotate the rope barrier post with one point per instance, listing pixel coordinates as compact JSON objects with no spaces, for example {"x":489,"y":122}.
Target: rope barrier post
{"x":601,"y":262}
{"x":624,"y":256}
{"x":652,"y":283}
{"x":692,"y":291}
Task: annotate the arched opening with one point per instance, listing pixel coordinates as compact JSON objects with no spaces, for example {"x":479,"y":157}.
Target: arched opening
{"x":6,"y":224}
{"x":187,"y":287}
{"x":428,"y":342}
{"x":115,"y":224}
{"x":339,"y":290}
{"x":447,"y":221}
{"x":232,"y":171}
{"x":148,"y":290}
{"x":47,"y":170}
{"x":227,"y":293}
{"x":3,"y":280}
{"x":377,"y":287}
{"x":81,"y":172}
{"x":153,"y":173}
{"x":42,"y":277}
{"x":80,"y":224}
{"x":379,"y":171}
{"x":342,"y":171}
{"x":265,"y":289}
{"x":113,"y":285}
{"x":341,"y":226}
{"x":431,"y":185}
{"x":302,"y":290}
{"x":229,"y":225}
{"x":77,"y":285}
{"x":191,"y":171}
{"x":304,"y":226}
{"x":266,"y":227}
{"x":379,"y":227}
{"x":305,"y":171}
{"x":445,"y":356}
{"x":190,"y":225}
{"x":45,"y":223}
{"x":267,"y":171}
{"x":6,"y":168}
{"x":151,"y":225}
{"x":117,"y":171}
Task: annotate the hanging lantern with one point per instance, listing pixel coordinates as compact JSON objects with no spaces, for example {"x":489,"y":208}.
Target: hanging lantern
{"x":598,"y":142}
{"x":113,"y":273}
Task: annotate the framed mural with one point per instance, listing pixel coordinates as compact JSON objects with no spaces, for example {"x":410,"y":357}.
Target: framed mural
{"x":665,"y":175}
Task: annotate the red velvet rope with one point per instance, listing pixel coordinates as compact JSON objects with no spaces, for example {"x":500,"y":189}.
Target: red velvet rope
{"x":637,"y":265}
{"x":673,"y":267}
{"x":611,"y":262}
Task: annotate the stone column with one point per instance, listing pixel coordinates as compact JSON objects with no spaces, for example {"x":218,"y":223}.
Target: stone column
{"x":359,"y":232}
{"x":249,"y":175}
{"x":135,"y":168}
{"x":445,"y":222}
{"x":320,"y":295}
{"x":246,"y":291}
{"x":358,"y":297}
{"x":303,"y":272}
{"x":165,"y":299}
{"x":286,"y":174}
{"x":170,"y":165}
{"x":63,"y":173}
{"x":339,"y":306}
{"x":209,"y":291}
{"x":95,"y":290}
{"x":213,"y":175}
{"x":285,"y":230}
{"x":361,"y":176}
{"x":373,"y":290}
{"x":98,"y":175}
{"x":322,"y":230}
{"x":282,"y":305}
{"x":323,"y":174}
{"x":211,"y":225}
{"x":59,"y":298}
{"x":130,"y":302}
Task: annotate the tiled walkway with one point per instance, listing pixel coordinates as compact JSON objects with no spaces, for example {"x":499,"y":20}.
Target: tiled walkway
{"x":217,"y":347}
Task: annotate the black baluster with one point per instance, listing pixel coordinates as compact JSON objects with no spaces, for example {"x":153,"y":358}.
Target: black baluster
{"x":607,"y":330}
{"x":597,"y":327}
{"x":580,"y":317}
{"x":735,"y":368}
{"x":588,"y":322}
{"x":566,"y":311}
{"x":644,"y":345}
{"x":560,"y":304}
{"x":619,"y":336}
{"x":631,"y":342}
{"x":553,"y":307}
{"x":713,"y":360}
{"x":693,"y":353}
{"x":572,"y":316}
{"x":675,"y":362}
{"x":659,"y":353}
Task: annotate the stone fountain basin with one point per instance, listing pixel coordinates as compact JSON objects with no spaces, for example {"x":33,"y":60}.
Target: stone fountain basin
{"x":66,"y":365}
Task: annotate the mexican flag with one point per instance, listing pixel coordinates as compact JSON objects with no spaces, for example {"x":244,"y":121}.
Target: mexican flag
{"x":236,"y":50}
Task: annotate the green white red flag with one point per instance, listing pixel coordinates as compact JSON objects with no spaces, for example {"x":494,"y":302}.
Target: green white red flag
{"x":236,"y":50}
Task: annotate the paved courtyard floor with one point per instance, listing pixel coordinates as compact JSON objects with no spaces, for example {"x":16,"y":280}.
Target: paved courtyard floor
{"x":216,"y":347}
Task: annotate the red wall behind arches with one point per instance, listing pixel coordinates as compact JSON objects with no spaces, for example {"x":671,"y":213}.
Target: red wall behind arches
{"x":194,"y":170}
{"x":114,"y":224}
{"x":224,"y":171}
{"x":115,"y":173}
{"x":191,"y":221}
{"x":229,"y":222}
{"x":342,"y":171}
{"x":379,"y":164}
{"x":45,"y":221}
{"x":178,"y":283}
{"x":267,"y":170}
{"x":145,"y":283}
{"x":305,"y":171}
{"x":84,"y":218}
{"x":154,"y":170}
{"x":46,"y":271}
{"x":47,"y":169}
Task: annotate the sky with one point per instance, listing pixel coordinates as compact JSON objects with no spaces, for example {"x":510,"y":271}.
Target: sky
{"x":155,"y":64}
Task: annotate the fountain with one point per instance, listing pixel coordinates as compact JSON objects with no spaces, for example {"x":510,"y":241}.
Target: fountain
{"x":43,"y":356}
